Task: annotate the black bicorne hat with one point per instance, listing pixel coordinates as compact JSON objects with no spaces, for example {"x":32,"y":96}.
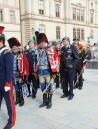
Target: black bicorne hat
{"x":41,"y":37}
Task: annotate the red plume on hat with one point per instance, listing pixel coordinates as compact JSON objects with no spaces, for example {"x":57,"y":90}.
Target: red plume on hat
{"x":1,"y":29}
{"x":80,"y":46}
{"x":13,"y":42}
{"x":41,"y":37}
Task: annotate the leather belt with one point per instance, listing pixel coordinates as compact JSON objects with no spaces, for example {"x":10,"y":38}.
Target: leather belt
{"x":43,"y":67}
{"x":16,"y":72}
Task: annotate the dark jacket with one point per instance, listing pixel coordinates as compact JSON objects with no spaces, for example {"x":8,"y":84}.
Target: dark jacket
{"x":6,"y":65}
{"x":31,"y":59}
{"x":81,"y":60}
{"x":70,"y":51}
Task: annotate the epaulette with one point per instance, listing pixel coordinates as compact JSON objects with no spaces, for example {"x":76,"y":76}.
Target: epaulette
{"x":6,"y":51}
{"x":60,"y":52}
{"x":80,"y":51}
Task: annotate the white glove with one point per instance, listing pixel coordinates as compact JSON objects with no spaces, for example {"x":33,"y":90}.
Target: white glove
{"x":6,"y":88}
{"x":84,"y":67}
{"x":70,"y":66}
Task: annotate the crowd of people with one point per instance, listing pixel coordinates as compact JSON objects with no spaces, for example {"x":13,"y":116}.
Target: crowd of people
{"x":43,"y":64}
{"x":92,"y":52}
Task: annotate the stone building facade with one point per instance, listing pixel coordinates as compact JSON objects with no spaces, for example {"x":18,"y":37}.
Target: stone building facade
{"x":10,"y":18}
{"x":56,"y":18}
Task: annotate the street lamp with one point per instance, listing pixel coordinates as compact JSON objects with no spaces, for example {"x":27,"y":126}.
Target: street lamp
{"x":34,"y":29}
{"x":88,"y":39}
{"x":91,"y":35}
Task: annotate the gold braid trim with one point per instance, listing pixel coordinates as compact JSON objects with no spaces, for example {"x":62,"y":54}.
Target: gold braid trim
{"x":80,"y":51}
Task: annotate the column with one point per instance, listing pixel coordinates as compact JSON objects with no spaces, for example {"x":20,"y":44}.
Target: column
{"x":67,"y":3}
{"x":88,"y":12}
{"x":50,"y":8}
{"x":32,"y":6}
{"x":64,"y":9}
{"x":29,"y":6}
{"x":4,"y":2}
{"x":25,"y":6}
{"x":95,"y":13}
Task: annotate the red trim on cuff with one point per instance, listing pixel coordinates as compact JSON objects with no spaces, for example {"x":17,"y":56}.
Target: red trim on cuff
{"x":84,"y":64}
{"x":7,"y":84}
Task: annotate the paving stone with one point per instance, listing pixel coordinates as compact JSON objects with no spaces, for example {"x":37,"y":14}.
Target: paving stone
{"x":80,"y":113}
{"x":63,"y":127}
{"x":93,"y":124}
{"x":76,"y":125}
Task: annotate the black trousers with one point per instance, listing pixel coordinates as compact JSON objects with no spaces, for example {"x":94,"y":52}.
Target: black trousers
{"x":68,"y":78}
{"x":80,"y":81}
{"x":35,"y":84}
{"x":57,"y":81}
{"x":8,"y":96}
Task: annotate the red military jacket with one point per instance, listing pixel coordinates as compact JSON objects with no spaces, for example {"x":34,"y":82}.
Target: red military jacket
{"x":23,"y":65}
{"x":54,"y":59}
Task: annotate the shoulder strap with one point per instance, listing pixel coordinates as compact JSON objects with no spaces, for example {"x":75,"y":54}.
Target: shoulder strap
{"x":39,"y":60}
{"x":3,"y":49}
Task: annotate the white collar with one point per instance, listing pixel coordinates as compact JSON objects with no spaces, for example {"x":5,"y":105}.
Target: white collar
{"x":68,"y":46}
{"x":32,"y":49}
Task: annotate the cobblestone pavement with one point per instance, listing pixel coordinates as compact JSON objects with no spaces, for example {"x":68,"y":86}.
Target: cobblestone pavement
{"x":80,"y":113}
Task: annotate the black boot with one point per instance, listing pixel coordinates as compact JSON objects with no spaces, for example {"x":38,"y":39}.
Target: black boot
{"x":33,"y":96}
{"x":70,"y":97}
{"x":17,"y":97}
{"x":21,"y":99}
{"x":76,"y":86}
{"x":7,"y":126}
{"x":33,"y":93}
{"x":64,"y":95}
{"x":80,"y":87}
{"x":49,"y":105}
{"x":44,"y":100}
{"x":57,"y":81}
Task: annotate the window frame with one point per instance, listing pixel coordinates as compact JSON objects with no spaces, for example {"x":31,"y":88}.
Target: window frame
{"x":10,"y":15}
{"x":76,"y":33}
{"x":74,"y":36}
{"x":75,"y":13}
{"x":92,"y":4}
{"x":2,"y":15}
{"x":92,"y":36}
{"x":81,"y":9}
{"x":92,"y":19}
{"x":58,"y":32}
{"x":82,"y":39}
{"x":39,"y":4}
{"x":40,"y":30}
{"x":58,"y":13}
{"x":81,"y":15}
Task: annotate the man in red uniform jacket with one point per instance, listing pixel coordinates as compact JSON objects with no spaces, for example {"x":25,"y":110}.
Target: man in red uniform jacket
{"x":20,"y":69}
